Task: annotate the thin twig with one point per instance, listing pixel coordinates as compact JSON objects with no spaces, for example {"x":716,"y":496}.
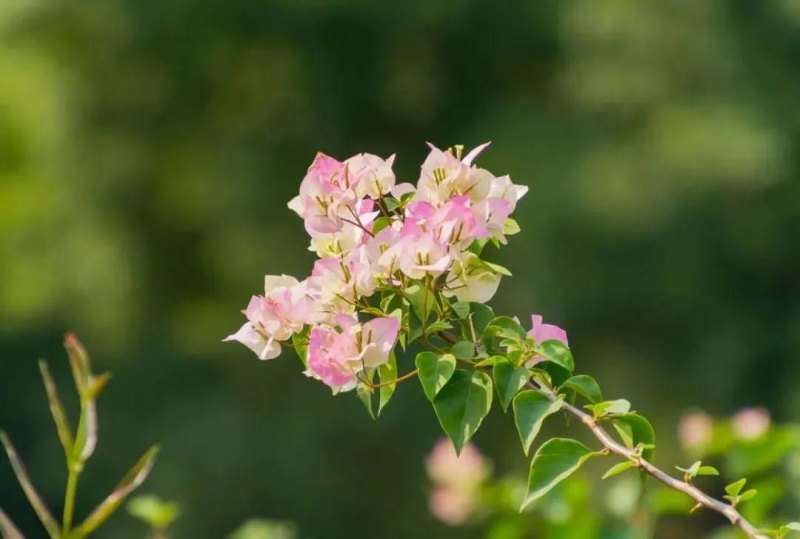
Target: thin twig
{"x":703,"y":499}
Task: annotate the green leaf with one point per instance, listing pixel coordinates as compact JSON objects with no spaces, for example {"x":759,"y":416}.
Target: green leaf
{"x":421,"y":300}
{"x":497,"y":268}
{"x":707,"y":470}
{"x":379,"y":224}
{"x":439,"y":325}
{"x":300,"y":342}
{"x":557,"y":352}
{"x":7,"y":528}
{"x":531,"y":408}
{"x":510,"y":227}
{"x":747,"y":495}
{"x":480,"y":315}
{"x":132,"y":480}
{"x":364,"y":393}
{"x":504,"y":326}
{"x":490,"y":361}
{"x":386,"y":373}
{"x":508,"y":380}
{"x":155,"y":512}
{"x":601,"y":409}
{"x":585,"y":385}
{"x":619,"y":468}
{"x":463,"y":350}
{"x":57,"y":411}
{"x":36,"y":501}
{"x":692,"y":470}
{"x":784,"y":530}
{"x":434,"y":370}
{"x":735,"y":488}
{"x":636,"y":430}
{"x":461,"y":308}
{"x":555,"y":460}
{"x":558,"y":374}
{"x":462,"y":404}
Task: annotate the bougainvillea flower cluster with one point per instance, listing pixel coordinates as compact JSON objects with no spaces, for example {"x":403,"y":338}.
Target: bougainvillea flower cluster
{"x":375,"y":236}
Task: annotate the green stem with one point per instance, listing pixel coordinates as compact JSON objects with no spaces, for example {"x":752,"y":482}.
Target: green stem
{"x":69,"y":502}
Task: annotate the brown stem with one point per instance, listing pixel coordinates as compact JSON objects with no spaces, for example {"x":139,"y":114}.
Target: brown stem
{"x":703,"y":499}
{"x":397,"y":380}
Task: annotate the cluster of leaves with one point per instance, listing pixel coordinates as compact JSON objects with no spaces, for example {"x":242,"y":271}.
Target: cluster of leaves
{"x":79,"y":445}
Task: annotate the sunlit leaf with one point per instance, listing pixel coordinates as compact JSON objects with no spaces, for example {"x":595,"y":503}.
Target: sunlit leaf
{"x":555,"y":460}
{"x":531,"y":408}
{"x":434,"y":370}
{"x":619,"y":468}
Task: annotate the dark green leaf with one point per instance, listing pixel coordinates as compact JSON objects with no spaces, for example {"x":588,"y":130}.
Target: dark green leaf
{"x":508,"y":380}
{"x":531,"y":408}
{"x":585,"y":385}
{"x":434,"y":370}
{"x":555,"y":460}
{"x":462,"y":404}
{"x":463,"y":350}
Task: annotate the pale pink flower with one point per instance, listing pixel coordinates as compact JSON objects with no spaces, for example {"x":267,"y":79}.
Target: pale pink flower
{"x":345,"y":279}
{"x":336,"y":354}
{"x":751,"y":423}
{"x":444,"y":176}
{"x":326,"y":195}
{"x":383,"y":258}
{"x":419,"y":255}
{"x":695,"y":431}
{"x":373,"y":176}
{"x":491,"y":214}
{"x":453,"y":223}
{"x":287,"y":305}
{"x":541,"y":332}
{"x":354,"y":231}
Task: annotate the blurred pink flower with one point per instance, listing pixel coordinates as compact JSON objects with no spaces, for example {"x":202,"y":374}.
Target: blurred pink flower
{"x":695,"y":431}
{"x":751,"y":423}
{"x":457,"y":480}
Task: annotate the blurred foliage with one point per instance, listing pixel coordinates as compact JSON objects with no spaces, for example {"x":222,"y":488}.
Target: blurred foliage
{"x":148,"y":149}
{"x":629,"y":507}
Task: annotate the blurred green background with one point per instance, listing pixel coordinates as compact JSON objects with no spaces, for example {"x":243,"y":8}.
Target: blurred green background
{"x":148,"y":149}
